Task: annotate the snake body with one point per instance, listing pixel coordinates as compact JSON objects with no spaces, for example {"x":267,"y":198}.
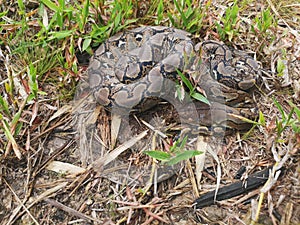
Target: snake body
{"x":137,"y":65}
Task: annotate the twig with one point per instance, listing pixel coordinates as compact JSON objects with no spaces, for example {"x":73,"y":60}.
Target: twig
{"x":19,"y":207}
{"x":70,"y":210}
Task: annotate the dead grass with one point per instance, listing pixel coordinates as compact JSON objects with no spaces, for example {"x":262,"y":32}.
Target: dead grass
{"x":38,"y":188}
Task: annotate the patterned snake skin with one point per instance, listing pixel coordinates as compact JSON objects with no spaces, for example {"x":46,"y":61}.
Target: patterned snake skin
{"x":134,"y":66}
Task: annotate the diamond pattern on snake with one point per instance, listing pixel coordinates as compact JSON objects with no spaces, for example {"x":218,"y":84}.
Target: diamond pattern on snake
{"x":132,"y":70}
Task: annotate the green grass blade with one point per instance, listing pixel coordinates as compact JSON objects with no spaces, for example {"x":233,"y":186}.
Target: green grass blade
{"x":183,"y":17}
{"x":60,"y":34}
{"x":185,"y":81}
{"x":11,"y":138}
{"x":21,"y":5}
{"x":16,"y":119}
{"x":159,"y":155}
{"x":51,"y":5}
{"x":200,"y":98}
{"x":4,"y":105}
{"x":85,"y":13}
{"x":183,"y":142}
{"x":261,"y":119}
{"x":159,"y":12}
{"x":296,"y":109}
{"x":289,"y":120}
{"x":86,"y":43}
{"x":183,"y":156}
{"x":280,"y":108}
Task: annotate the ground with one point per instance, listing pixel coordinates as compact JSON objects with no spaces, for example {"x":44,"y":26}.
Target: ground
{"x":47,"y":174}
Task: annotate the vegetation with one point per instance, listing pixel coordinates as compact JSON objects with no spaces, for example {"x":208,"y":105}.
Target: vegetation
{"x":41,"y":44}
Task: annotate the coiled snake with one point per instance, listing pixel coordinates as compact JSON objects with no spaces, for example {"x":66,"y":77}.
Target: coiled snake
{"x":133,"y":69}
{"x":134,"y":66}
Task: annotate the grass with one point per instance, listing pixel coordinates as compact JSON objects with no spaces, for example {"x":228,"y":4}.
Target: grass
{"x":177,"y":153}
{"x":228,"y":28}
{"x":39,"y":71}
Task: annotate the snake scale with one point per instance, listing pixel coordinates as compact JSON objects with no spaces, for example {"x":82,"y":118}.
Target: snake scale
{"x":136,"y":65}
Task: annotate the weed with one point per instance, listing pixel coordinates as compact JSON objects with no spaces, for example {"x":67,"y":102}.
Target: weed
{"x":264,"y":21}
{"x":287,"y":120}
{"x":229,"y":24}
{"x":33,"y":84}
{"x":121,"y":14}
{"x":159,"y":12}
{"x":190,"y":17}
{"x":262,"y":26}
{"x":280,"y":67}
{"x":176,"y":154}
{"x":194,"y":94}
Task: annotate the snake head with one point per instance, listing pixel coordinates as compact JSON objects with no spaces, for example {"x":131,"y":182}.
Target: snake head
{"x":231,"y":67}
{"x":247,"y":72}
{"x":237,"y":72}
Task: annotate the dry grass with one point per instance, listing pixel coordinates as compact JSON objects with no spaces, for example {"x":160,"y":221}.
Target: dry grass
{"x":45,"y":179}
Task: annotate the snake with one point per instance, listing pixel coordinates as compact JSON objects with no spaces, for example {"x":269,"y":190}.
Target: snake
{"x":134,"y":69}
{"x":136,"y":66}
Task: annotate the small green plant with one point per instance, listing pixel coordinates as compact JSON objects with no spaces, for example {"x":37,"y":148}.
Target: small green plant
{"x":10,"y":124}
{"x":264,"y":21}
{"x":282,"y":123}
{"x":65,"y":17}
{"x":177,"y":153}
{"x":229,"y":25}
{"x":280,"y":67}
{"x":33,"y":83}
{"x":261,"y":27}
{"x":121,"y":16}
{"x":69,"y":18}
{"x":193,"y":93}
{"x":287,"y":120}
{"x":190,"y":17}
{"x":159,"y":12}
